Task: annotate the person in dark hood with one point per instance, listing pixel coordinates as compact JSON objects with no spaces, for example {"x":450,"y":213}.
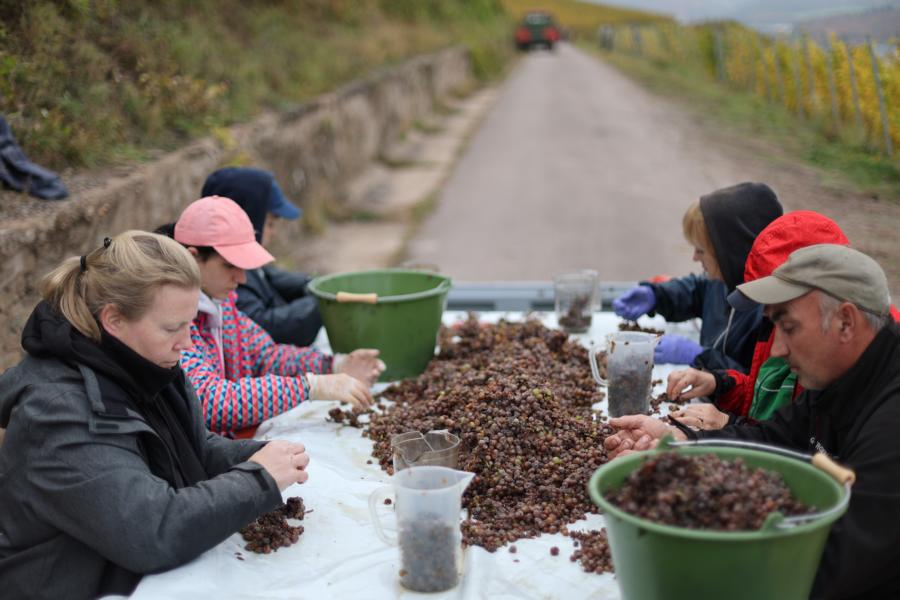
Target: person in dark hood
{"x":276,"y":299}
{"x":721,"y":226}
{"x":107,"y":471}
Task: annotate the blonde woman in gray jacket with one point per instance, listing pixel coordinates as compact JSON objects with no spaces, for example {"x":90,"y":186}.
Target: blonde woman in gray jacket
{"x":107,"y":471}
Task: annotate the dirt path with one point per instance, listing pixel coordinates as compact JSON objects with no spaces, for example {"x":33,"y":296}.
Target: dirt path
{"x":578,"y":166}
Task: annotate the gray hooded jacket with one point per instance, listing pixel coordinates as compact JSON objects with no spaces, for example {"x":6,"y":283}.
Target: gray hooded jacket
{"x":80,"y":512}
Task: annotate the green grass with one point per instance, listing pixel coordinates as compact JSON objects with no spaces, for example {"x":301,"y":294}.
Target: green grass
{"x":846,"y":161}
{"x":424,"y":207}
{"x":426,"y":127}
{"x":92,"y":83}
{"x":394,"y":163}
{"x":416,"y":216}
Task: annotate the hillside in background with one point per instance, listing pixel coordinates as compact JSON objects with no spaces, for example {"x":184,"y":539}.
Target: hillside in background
{"x":794,"y":11}
{"x":87,"y":83}
{"x":881,"y":24}
{"x":583,"y":18}
{"x":766,"y":15}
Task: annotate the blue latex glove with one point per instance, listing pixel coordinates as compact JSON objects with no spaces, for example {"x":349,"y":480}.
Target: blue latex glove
{"x":676,"y":350}
{"x":637,"y":301}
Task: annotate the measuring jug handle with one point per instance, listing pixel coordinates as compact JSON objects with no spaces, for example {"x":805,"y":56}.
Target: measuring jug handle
{"x":595,"y":368}
{"x":375,"y":497}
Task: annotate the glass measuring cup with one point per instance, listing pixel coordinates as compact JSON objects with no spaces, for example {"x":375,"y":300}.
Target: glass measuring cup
{"x":629,"y":371}
{"x":575,"y":296}
{"x":438,"y":447}
{"x":428,"y":503}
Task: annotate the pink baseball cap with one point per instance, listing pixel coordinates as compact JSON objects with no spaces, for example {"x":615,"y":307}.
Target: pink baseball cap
{"x":220,"y":223}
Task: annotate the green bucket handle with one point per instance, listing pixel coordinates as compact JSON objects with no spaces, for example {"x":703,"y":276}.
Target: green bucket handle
{"x":442,"y":287}
{"x":776,"y":520}
{"x":342,"y":297}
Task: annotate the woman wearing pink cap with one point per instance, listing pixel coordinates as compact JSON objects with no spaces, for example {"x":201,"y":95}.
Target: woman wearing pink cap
{"x":241,"y":375}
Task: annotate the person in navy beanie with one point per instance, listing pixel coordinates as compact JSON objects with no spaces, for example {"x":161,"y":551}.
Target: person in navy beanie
{"x":276,"y":299}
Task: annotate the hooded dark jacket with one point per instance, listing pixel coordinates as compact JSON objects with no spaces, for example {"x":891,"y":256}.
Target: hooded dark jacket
{"x":107,"y":471}
{"x":855,"y":421}
{"x":734,"y":216}
{"x":277,"y":300}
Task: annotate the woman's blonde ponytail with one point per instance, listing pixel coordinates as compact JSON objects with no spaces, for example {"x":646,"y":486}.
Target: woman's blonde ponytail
{"x":125,"y":272}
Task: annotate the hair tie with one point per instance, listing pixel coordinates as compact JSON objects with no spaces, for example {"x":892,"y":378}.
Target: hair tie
{"x":106,"y":242}
{"x":83,"y":263}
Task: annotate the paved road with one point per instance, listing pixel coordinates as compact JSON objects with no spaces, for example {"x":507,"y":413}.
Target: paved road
{"x":575,"y":166}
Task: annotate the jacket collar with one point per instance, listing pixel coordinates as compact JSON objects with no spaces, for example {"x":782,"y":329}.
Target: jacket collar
{"x":210,"y":307}
{"x":109,"y":415}
{"x":848,"y":397}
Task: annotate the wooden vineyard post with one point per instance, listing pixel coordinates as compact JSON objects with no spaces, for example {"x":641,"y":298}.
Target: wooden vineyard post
{"x":719,"y":55}
{"x":798,"y":88}
{"x":810,"y":76}
{"x":764,"y":72}
{"x":853,"y":91}
{"x":778,"y":80}
{"x":885,"y":124}
{"x":832,"y":90}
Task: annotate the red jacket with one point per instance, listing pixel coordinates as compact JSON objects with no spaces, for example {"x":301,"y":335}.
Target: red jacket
{"x":773,"y":245}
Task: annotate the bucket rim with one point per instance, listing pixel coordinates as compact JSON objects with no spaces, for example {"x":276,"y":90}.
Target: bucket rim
{"x":609,"y":509}
{"x":442,"y":287}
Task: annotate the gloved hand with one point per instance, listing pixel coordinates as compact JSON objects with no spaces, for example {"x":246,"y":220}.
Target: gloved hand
{"x":676,"y":350}
{"x":363,"y":364}
{"x":637,"y":301}
{"x":340,"y":387}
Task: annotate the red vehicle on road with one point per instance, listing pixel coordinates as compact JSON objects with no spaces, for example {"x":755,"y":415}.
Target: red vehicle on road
{"x":537,"y":29}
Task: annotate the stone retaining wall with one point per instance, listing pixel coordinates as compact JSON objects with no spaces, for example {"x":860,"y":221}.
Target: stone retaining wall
{"x":313,"y":151}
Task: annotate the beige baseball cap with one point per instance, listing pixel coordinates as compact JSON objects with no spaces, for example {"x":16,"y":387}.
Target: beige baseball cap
{"x":839,"y":271}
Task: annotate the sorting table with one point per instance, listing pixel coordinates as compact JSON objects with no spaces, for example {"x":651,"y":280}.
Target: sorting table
{"x":339,"y":555}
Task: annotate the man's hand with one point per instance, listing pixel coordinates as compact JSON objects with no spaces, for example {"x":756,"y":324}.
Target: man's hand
{"x":701,"y":383}
{"x":285,"y":461}
{"x":701,"y":416}
{"x":340,"y":387}
{"x":363,"y":364}
{"x":635,"y":433}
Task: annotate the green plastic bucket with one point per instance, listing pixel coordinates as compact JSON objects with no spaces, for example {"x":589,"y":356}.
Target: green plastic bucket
{"x":397,"y":311}
{"x":654,"y":561}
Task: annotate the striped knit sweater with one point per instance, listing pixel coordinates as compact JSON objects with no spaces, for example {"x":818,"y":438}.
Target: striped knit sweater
{"x":260,"y":379}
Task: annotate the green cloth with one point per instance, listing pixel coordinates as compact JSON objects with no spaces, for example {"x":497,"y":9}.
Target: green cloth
{"x":773,"y":389}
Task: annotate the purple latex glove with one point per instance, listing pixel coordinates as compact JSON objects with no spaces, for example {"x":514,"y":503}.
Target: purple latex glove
{"x":637,"y":301}
{"x":676,"y":350}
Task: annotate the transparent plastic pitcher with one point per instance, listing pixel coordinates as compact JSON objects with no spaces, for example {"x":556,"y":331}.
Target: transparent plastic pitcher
{"x":575,"y":297}
{"x":438,"y":448}
{"x":428,"y":503}
{"x":629,"y":371}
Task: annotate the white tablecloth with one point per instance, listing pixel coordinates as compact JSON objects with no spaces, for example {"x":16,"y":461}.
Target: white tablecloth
{"x":339,"y":556}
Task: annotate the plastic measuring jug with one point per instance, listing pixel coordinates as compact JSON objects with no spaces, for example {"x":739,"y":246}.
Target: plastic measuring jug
{"x":438,"y":448}
{"x":629,"y":371}
{"x":428,"y":503}
{"x":575,"y":297}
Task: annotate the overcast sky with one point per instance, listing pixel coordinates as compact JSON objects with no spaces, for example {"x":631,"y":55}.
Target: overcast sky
{"x":754,"y":12}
